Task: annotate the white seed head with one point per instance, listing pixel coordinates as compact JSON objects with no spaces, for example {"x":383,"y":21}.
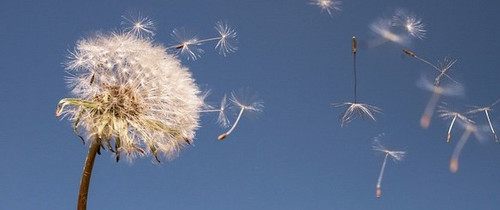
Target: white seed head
{"x":395,"y":155}
{"x":448,"y":114}
{"x":130,"y":91}
{"x":187,"y":44}
{"x":227,"y":39}
{"x":222,"y":119}
{"x":410,"y":23}
{"x":355,"y":110}
{"x":449,"y":89}
{"x":329,"y":6}
{"x":138,"y":25}
{"x":384,"y":28}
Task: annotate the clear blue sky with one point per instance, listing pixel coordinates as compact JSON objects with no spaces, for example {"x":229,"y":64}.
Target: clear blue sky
{"x":294,"y":155}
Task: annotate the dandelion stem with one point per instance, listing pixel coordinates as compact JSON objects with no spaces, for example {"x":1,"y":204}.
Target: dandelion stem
{"x":196,"y":42}
{"x":224,"y":135}
{"x":209,"y":39}
{"x":449,"y":129}
{"x":354,"y":50}
{"x":378,"y":192}
{"x":491,"y":126}
{"x":87,"y":173}
{"x":458,"y":149}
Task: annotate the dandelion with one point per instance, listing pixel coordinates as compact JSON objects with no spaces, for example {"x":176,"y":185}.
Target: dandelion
{"x":131,"y":97}
{"x":469,"y":129}
{"x":411,"y":24}
{"x":436,"y":88}
{"x":140,"y":26}
{"x":395,"y":155}
{"x":354,"y":108}
{"x":486,"y":111}
{"x":222,"y":119}
{"x":444,"y":66}
{"x":447,"y":114}
{"x":189,"y":45}
{"x":252,"y":104}
{"x":437,"y":92}
{"x":384,"y":28}
{"x":328,"y":5}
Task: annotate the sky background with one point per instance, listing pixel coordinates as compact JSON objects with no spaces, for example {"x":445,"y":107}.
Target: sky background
{"x":294,"y":155}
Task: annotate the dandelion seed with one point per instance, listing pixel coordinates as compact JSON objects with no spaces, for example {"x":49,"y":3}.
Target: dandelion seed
{"x":436,"y":88}
{"x":227,"y":39}
{"x":140,"y":26}
{"x":328,"y":5}
{"x":469,"y":129}
{"x":395,"y":155}
{"x":410,"y":23}
{"x":383,"y":28}
{"x":222,"y":119}
{"x":437,"y":92}
{"x":130,"y":92}
{"x":355,"y":109}
{"x":189,"y":45}
{"x":252,"y":104}
{"x":444,"y":66}
{"x":486,"y":111}
{"x":447,"y":114}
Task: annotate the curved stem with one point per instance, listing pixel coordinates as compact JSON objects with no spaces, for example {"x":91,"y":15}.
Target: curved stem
{"x":224,"y":135}
{"x":87,"y":173}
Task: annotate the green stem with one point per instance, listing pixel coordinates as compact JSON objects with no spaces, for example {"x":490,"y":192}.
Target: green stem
{"x":87,"y":173}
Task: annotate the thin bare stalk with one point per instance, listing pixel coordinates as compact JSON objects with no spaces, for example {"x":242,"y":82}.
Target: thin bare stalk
{"x":491,"y":126}
{"x":224,"y":135}
{"x":87,"y":173}
{"x":197,"y":42}
{"x":449,"y":130}
{"x":354,"y":50}
{"x":378,"y":191}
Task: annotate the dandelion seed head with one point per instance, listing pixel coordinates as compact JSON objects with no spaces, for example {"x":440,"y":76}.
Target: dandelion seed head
{"x":448,"y":114}
{"x":355,"y":110}
{"x":329,"y":6}
{"x":222,"y":118}
{"x":476,"y":109}
{"x":383,"y":28}
{"x":187,"y":44}
{"x":244,"y":99}
{"x":395,"y":155}
{"x":446,"y":64}
{"x":131,"y":92}
{"x":227,"y":40}
{"x":139,"y":25}
{"x":410,"y":23}
{"x":449,"y":89}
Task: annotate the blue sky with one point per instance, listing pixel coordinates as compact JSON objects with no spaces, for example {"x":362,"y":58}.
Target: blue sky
{"x":294,"y":155}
